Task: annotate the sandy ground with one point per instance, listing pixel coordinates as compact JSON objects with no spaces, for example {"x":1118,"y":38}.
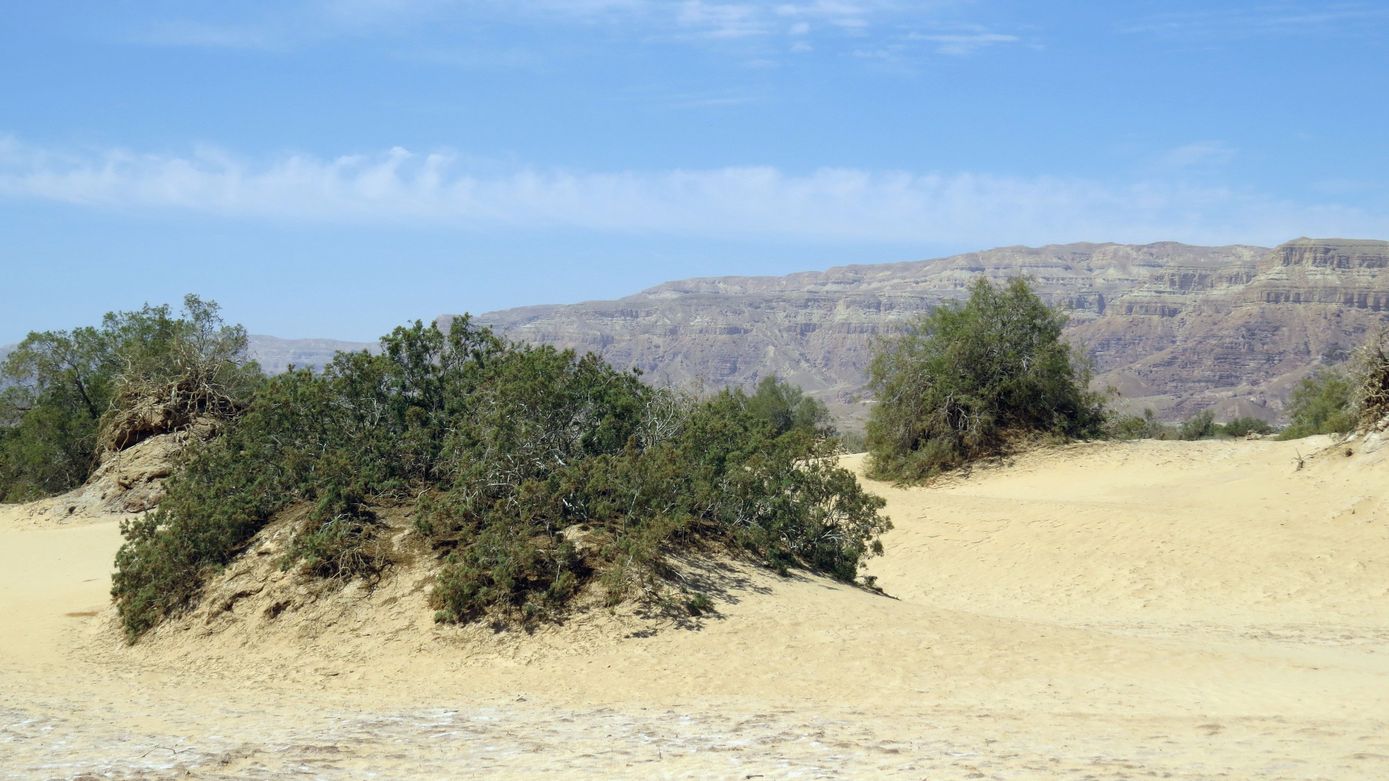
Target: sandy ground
{"x":1118,"y":610}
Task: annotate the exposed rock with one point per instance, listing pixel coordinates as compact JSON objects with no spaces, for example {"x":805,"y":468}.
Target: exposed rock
{"x":132,"y":480}
{"x":127,"y":481}
{"x":139,"y":447}
{"x":1173,"y":327}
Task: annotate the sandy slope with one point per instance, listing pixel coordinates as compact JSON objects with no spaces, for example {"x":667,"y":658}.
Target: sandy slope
{"x":1129,"y":610}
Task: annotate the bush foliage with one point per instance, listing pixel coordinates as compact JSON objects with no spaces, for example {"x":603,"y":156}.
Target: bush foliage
{"x":70,"y":394}
{"x":531,"y":472}
{"x":1323,"y":403}
{"x":1145,"y":426}
{"x":1246,"y":426}
{"x":966,"y":379}
{"x":1202,"y":425}
{"x":1372,"y":380}
{"x":1338,"y":400}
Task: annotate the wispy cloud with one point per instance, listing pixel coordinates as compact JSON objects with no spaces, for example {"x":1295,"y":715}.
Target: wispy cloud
{"x":961,"y":44}
{"x":710,"y":19}
{"x":709,"y":100}
{"x":1278,"y":19}
{"x":203,"y":35}
{"x":908,"y":50}
{"x":401,"y":188}
{"x":722,"y":20}
{"x":1196,"y":155}
{"x":479,"y":58}
{"x":835,"y":13}
{"x":796,"y":26}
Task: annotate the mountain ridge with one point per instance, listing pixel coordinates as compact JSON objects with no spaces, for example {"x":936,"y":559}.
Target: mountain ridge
{"x":1173,"y":327}
{"x":1170,"y":326}
{"x":276,"y":354}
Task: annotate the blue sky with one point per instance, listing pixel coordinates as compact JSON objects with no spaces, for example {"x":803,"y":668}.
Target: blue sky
{"x":333,"y":169}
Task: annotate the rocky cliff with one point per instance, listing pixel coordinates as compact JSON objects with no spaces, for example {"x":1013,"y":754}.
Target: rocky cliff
{"x":1173,"y":327}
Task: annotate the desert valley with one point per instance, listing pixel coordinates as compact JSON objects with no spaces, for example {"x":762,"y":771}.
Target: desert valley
{"x":1110,"y":608}
{"x":697,"y":389}
{"x":1125,"y":610}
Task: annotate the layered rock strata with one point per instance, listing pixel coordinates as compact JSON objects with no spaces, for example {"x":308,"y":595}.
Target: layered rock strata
{"x":1169,"y":326}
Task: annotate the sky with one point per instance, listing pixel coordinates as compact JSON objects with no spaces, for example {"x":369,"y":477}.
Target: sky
{"x":334,"y":169}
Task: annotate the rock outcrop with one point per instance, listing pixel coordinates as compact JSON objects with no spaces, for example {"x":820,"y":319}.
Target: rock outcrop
{"x":127,"y":481}
{"x":1173,"y":327}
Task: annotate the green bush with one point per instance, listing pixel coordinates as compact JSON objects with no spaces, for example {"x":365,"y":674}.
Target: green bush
{"x":340,"y":536}
{"x":967,"y":379}
{"x":531,"y":472}
{"x":1202,"y":425}
{"x":75,"y":393}
{"x":1243,"y":427}
{"x":786,"y":408}
{"x":1323,"y":403}
{"x":853,"y":441}
{"x":1145,"y":426}
{"x":1337,"y":400}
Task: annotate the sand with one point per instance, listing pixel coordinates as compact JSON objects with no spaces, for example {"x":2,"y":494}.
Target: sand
{"x":1096,"y":611}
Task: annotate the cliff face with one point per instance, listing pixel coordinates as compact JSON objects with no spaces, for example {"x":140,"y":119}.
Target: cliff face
{"x":1173,"y":327}
{"x":1242,"y":348}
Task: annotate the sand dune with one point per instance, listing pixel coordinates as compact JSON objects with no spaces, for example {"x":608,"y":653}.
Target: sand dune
{"x":1115,"y":610}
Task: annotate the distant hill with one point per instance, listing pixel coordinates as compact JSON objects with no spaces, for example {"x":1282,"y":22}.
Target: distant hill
{"x":1173,"y":327}
{"x":276,"y":355}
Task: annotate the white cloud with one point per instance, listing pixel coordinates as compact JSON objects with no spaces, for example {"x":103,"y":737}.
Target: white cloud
{"x":837,"y":13}
{"x":1197,"y":154}
{"x":1288,"y":18}
{"x":404,"y":189}
{"x":799,"y":26}
{"x":904,"y":52}
{"x":960,"y":44}
{"x":722,"y":20}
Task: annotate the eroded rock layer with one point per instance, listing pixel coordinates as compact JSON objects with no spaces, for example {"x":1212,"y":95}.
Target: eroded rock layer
{"x":1173,"y":327}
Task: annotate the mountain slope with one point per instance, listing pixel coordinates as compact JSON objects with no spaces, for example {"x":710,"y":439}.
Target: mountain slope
{"x":1174,"y":327}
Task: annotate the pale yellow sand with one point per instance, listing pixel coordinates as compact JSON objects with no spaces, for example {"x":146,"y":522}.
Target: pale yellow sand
{"x":1123,"y":610}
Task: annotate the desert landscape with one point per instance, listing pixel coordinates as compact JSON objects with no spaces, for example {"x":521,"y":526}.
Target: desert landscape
{"x":712,"y":389}
{"x":1104,"y":610}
